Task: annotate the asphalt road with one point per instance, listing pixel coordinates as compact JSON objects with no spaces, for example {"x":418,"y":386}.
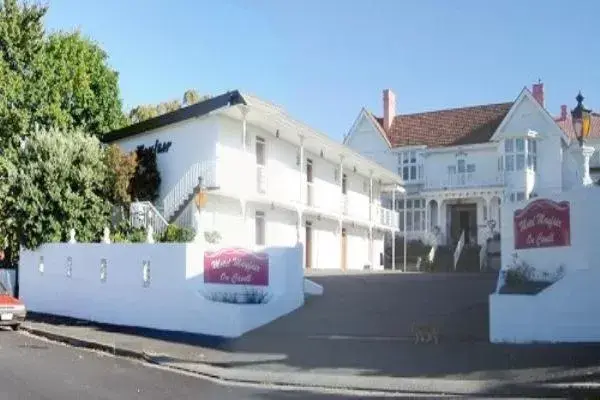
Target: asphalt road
{"x":35,"y":369}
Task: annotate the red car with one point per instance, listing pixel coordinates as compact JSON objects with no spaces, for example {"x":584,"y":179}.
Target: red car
{"x":12,"y":310}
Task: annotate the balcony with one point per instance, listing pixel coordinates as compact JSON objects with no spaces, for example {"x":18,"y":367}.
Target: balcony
{"x":385,"y":216}
{"x":464,"y":180}
{"x":247,"y":179}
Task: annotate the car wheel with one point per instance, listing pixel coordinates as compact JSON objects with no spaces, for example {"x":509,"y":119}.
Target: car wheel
{"x":15,"y":327}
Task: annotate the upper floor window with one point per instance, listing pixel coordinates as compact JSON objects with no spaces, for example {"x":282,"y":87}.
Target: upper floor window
{"x":461,"y":167}
{"x":408,"y":167}
{"x":520,"y":153}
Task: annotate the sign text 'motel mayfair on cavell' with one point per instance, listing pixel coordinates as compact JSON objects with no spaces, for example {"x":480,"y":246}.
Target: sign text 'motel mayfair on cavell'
{"x":543,"y":223}
{"x":236,"y":266}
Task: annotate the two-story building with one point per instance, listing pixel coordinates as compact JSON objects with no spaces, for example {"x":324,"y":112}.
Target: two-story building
{"x":268,"y":179}
{"x":460,"y":164}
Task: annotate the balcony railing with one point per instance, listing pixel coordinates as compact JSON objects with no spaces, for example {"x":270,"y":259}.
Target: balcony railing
{"x":464,"y":180}
{"x":385,"y":216}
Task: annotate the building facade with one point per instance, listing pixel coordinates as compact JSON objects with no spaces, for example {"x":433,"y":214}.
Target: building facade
{"x":459,"y":165}
{"x":267,"y":180}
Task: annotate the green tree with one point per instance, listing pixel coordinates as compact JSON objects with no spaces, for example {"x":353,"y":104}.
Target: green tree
{"x":77,"y":88}
{"x":21,"y":45}
{"x":146,"y":180}
{"x":55,"y":182}
{"x":120,"y":169}
{"x":147,"y":111}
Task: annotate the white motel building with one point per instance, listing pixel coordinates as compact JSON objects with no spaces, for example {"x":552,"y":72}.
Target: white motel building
{"x":270,"y":181}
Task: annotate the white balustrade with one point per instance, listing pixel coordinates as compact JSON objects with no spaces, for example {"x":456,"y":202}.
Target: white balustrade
{"x":464,"y":179}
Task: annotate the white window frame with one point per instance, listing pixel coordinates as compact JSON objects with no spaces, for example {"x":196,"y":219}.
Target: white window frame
{"x":260,"y":222}
{"x":519,"y":157}
{"x":415,"y":214}
{"x":410,"y":168}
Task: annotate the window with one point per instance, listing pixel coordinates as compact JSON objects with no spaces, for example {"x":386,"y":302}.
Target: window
{"x":461,"y":167}
{"x":260,"y":228}
{"x":408,"y":167}
{"x":520,"y":153}
{"x":532,"y":154}
{"x":517,"y":196}
{"x":415,"y":214}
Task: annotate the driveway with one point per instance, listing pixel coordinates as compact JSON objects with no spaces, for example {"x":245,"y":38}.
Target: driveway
{"x":387,"y":304}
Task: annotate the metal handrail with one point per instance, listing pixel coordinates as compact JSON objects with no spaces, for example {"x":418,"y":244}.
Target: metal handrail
{"x":143,"y":214}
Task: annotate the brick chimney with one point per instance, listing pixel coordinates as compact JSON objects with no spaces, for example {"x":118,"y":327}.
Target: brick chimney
{"x":389,"y":109}
{"x":563,"y":112}
{"x":537,"y":89}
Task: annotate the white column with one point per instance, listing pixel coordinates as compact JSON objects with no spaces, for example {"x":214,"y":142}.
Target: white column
{"x":371,"y":260}
{"x":301,"y":166}
{"x":371,"y":196}
{"x":244,"y":110}
{"x":393,"y":231}
{"x":587,"y":152}
{"x":405,"y":238}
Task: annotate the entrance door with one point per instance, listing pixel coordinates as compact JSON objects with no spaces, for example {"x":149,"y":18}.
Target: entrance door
{"x":464,"y":224}
{"x":344,"y":249}
{"x":463,"y":218}
{"x":308,"y":246}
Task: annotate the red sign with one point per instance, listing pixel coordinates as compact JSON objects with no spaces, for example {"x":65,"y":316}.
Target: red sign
{"x":235,"y":266}
{"x":543,"y":223}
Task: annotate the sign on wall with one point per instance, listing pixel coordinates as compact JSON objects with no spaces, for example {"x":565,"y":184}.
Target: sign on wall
{"x":543,"y":223}
{"x":236,"y":266}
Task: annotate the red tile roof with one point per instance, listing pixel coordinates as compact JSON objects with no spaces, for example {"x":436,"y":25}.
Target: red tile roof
{"x":466,"y":125}
{"x":566,"y":125}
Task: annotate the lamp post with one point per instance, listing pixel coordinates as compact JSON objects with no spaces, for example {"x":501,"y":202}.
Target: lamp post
{"x":582,"y":123}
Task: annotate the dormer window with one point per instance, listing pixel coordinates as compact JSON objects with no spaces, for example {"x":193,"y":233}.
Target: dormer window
{"x":408,"y":166}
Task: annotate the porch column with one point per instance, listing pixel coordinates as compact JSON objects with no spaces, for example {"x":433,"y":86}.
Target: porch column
{"x":371,"y":195}
{"x":301,"y":167}
{"x":405,"y":236}
{"x":393,"y":231}
{"x":427,"y":215}
{"x":371,"y":260}
{"x":299,"y":226}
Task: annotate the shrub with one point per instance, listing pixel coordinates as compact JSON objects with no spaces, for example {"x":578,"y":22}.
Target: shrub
{"x":146,"y":179}
{"x":177,"y":234}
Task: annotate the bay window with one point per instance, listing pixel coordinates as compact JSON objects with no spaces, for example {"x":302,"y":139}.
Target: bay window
{"x":519,"y":153}
{"x":415,"y":214}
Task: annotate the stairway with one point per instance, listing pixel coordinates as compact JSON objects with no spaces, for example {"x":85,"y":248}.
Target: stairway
{"x":443,"y":259}
{"x":469,"y":259}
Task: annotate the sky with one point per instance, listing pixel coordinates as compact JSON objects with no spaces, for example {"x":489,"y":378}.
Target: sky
{"x":322,"y":60}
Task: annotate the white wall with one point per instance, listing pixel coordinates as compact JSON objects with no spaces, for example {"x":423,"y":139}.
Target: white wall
{"x":485,"y":160}
{"x":562,"y":311}
{"x":192,"y":141}
{"x":367,"y":141}
{"x":174,"y":299}
{"x":283,"y":178}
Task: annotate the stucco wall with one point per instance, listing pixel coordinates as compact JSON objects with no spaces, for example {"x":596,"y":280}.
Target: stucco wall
{"x":174,"y":299}
{"x":562,"y":311}
{"x":192,"y":141}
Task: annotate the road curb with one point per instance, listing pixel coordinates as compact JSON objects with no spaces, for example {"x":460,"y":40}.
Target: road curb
{"x":313,"y":381}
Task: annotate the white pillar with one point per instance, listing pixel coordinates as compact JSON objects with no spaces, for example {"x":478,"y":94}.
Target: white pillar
{"x":371,"y":196}
{"x":586,"y":152}
{"x":371,"y":261}
{"x":404,"y":239}
{"x":301,"y":166}
{"x":244,"y":110}
{"x":393,"y":230}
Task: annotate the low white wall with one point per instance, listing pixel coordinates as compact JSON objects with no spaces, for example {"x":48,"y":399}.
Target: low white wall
{"x":563,"y":312}
{"x":173,"y":300}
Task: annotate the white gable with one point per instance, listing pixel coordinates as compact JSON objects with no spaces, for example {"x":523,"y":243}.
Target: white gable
{"x":527,"y":114}
{"x":368,"y":140}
